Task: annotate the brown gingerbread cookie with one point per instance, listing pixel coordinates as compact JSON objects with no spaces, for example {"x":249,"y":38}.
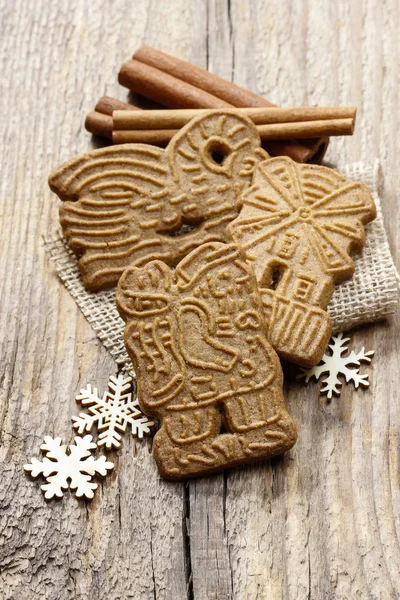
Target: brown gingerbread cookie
{"x":297,"y":226}
{"x":123,"y":205}
{"x":204,"y":367}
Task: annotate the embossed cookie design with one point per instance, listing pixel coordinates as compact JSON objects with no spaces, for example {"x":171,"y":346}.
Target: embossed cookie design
{"x":124,"y":205}
{"x":203,"y":363}
{"x":297,"y":226}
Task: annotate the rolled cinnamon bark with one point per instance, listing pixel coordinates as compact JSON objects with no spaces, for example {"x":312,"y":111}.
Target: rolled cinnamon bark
{"x":155,"y":137}
{"x":177,"y":118}
{"x":318,"y":149}
{"x":227,"y":92}
{"x":99,"y":122}
{"x":267,"y":132}
{"x":107,"y":105}
{"x":165,"y":89}
{"x":200,"y":78}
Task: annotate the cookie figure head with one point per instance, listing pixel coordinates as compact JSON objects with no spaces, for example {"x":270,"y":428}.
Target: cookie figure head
{"x":297,"y":226}
{"x":204,"y":366}
{"x":125,"y":205}
{"x":144,"y":292}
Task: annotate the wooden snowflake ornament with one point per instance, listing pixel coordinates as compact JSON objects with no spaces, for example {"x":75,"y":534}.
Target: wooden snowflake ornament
{"x":112,"y":413}
{"x":334,"y":364}
{"x":72,"y":468}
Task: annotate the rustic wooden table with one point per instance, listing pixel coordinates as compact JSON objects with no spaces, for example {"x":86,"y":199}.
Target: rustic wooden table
{"x":323,"y":522}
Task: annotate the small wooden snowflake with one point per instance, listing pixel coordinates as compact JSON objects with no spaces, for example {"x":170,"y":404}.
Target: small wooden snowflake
{"x":335,"y":364}
{"x":70,"y":466}
{"x":112,"y":412}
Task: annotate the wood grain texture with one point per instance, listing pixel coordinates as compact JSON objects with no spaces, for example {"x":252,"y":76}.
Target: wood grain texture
{"x":321,"y":523}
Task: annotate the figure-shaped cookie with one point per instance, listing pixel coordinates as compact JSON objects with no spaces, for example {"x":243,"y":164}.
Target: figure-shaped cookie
{"x":203,"y":363}
{"x":124,"y":204}
{"x":297,"y":226}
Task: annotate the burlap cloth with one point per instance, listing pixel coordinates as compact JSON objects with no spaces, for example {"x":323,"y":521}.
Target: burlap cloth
{"x":370,"y":295}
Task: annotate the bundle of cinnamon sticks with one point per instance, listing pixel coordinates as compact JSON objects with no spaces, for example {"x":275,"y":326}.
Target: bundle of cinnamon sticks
{"x":188,"y":90}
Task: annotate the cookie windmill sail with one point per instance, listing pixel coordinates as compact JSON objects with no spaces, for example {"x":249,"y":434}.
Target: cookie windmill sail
{"x":297,"y":226}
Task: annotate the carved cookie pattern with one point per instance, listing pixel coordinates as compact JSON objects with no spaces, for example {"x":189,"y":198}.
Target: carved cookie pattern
{"x":297,"y":226}
{"x":123,"y":205}
{"x":203,"y":363}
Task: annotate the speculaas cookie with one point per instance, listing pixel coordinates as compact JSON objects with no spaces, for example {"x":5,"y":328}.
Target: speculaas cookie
{"x":123,"y":205}
{"x":203,"y":363}
{"x":297,"y":226}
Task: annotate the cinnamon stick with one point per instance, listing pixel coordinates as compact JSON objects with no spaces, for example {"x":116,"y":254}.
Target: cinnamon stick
{"x":155,"y":137}
{"x":107,"y":105}
{"x":319,"y":149}
{"x":165,"y":89}
{"x":99,"y":122}
{"x":267,"y":132}
{"x":200,"y":78}
{"x":226,"y":91}
{"x":177,"y":118}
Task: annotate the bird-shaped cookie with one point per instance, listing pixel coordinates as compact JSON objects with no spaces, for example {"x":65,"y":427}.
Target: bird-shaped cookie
{"x":129,"y":204}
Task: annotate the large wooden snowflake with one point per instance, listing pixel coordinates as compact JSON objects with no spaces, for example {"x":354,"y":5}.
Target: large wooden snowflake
{"x":70,"y":466}
{"x":112,"y":413}
{"x":334,"y":364}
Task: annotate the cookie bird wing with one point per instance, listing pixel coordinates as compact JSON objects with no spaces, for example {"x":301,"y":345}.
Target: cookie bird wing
{"x":212,"y":160}
{"x":112,"y":201}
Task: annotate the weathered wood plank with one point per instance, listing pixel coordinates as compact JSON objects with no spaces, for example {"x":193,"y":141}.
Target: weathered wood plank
{"x":129,"y":541}
{"x":322,"y":522}
{"x":338,"y":537}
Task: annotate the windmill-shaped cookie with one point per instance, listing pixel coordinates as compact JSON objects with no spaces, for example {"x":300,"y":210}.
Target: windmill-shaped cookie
{"x":297,"y":226}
